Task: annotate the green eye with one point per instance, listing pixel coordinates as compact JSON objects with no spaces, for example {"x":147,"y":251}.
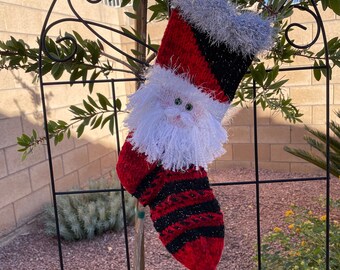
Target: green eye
{"x":178,"y":101}
{"x":189,"y":107}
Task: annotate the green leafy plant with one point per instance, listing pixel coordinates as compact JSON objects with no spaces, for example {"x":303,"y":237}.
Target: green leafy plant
{"x":270,"y":93}
{"x":318,"y":142}
{"x":300,"y":244}
{"x":87,"y":63}
{"x":83,"y":216}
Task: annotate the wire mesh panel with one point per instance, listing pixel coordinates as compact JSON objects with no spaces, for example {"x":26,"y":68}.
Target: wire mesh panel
{"x":258,"y":183}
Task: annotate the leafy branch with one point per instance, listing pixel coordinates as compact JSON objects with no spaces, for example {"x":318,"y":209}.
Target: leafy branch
{"x":16,"y":54}
{"x":269,"y":92}
{"x":94,"y":114}
{"x":334,"y":57}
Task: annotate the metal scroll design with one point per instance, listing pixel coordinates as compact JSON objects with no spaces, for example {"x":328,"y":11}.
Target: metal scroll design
{"x":89,"y":25}
{"x":290,"y":26}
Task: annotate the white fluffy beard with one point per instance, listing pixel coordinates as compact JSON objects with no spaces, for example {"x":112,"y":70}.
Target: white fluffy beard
{"x":167,"y":132}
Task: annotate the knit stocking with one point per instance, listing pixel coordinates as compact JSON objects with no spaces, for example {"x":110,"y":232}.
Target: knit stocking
{"x":183,"y":208}
{"x":175,"y":123}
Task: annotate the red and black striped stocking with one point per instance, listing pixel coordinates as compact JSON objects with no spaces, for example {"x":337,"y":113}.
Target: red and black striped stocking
{"x":183,"y":208}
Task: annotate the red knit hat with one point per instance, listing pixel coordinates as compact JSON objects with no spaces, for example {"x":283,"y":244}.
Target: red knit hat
{"x":213,"y":45}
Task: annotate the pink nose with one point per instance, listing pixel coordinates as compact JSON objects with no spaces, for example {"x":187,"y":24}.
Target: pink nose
{"x":174,"y":118}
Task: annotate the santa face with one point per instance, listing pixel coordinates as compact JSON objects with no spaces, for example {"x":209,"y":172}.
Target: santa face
{"x":181,"y":110}
{"x":174,"y":123}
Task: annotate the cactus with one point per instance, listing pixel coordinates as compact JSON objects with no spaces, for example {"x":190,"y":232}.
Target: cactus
{"x":83,"y":216}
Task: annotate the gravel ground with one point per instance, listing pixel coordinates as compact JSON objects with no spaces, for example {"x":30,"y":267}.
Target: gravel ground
{"x":32,"y":250}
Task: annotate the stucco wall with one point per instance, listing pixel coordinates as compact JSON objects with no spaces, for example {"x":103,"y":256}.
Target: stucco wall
{"x":274,"y":132}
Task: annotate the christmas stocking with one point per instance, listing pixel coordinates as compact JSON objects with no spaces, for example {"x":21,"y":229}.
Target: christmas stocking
{"x":175,"y":123}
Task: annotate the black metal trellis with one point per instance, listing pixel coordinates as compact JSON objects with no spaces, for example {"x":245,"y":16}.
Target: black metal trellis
{"x":257,"y":183}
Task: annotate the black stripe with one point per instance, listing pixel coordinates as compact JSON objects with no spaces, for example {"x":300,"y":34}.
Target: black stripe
{"x":147,"y":182}
{"x":189,"y":236}
{"x":227,"y":66}
{"x":178,"y":187}
{"x":183,"y":213}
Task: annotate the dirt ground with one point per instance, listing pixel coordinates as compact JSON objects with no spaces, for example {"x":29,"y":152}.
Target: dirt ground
{"x":31,"y":249}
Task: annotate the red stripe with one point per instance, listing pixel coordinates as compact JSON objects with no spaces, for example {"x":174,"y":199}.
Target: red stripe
{"x":179,"y":50}
{"x":189,"y":174}
{"x":192,"y":222}
{"x":183,"y":199}
{"x":132,"y":167}
{"x":201,"y":254}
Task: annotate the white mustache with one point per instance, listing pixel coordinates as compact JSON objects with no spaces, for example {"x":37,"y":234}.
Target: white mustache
{"x":179,"y":118}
